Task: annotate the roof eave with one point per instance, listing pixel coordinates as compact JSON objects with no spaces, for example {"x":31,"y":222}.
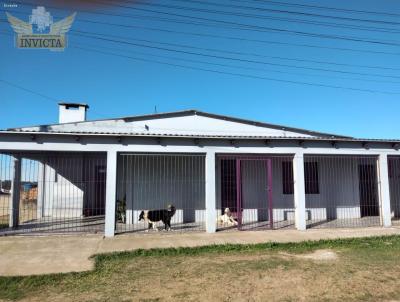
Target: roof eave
{"x":277,"y":138}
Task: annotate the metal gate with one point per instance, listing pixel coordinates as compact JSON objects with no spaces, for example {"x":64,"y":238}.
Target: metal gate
{"x":254,"y":184}
{"x":341,"y":191}
{"x":254,"y":192}
{"x":52,"y":192}
{"x":160,"y":192}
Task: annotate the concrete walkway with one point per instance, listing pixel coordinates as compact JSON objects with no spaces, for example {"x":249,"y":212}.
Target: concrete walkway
{"x":58,"y":254}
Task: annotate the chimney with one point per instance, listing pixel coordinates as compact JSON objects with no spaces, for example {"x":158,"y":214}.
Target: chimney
{"x":72,"y":112}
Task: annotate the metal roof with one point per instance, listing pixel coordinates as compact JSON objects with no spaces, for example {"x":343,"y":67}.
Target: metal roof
{"x":194,"y":136}
{"x":183,"y":113}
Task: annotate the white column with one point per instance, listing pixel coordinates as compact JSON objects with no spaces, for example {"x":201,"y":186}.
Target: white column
{"x":299,"y":192}
{"x":41,"y":189}
{"x":384,"y":191}
{"x":111,"y":193}
{"x":15,"y":191}
{"x":211,"y":211}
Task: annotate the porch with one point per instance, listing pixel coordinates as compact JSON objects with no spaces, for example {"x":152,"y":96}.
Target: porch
{"x":53,"y":192}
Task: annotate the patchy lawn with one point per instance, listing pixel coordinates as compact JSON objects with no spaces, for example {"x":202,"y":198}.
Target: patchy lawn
{"x":365,"y":269}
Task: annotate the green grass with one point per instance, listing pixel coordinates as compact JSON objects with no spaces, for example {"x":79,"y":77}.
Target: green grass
{"x":127,"y":273}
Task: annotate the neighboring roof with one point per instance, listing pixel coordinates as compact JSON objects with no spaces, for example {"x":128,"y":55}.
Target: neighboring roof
{"x":132,"y":126}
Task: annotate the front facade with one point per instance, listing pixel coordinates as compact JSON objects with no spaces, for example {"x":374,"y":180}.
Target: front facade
{"x":97,"y":176}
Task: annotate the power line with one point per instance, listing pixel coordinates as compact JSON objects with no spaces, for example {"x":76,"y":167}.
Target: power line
{"x":250,"y":27}
{"x":255,"y":28}
{"x":242,"y":75}
{"x":241,"y":53}
{"x":42,"y":95}
{"x":249,"y":61}
{"x":226,"y":37}
{"x":268,"y":17}
{"x":212,"y":71}
{"x":237,"y":66}
{"x":280,"y":3}
{"x":29,"y":90}
{"x":280,"y":11}
{"x":90,"y":35}
{"x":95,"y":47}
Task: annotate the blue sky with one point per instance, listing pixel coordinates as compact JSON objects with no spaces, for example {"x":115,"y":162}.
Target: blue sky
{"x":114,"y":85}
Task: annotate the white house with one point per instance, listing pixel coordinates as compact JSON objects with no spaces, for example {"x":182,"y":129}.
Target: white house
{"x":99,"y":175}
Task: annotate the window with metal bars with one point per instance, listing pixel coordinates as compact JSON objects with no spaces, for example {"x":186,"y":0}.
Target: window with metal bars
{"x":311,"y":177}
{"x":394,"y":168}
{"x":287,"y":177}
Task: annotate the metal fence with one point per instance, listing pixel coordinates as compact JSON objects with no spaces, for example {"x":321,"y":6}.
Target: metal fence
{"x":394,"y":183}
{"x":255,"y":192}
{"x":160,"y":192}
{"x":341,"y":191}
{"x":65,"y":192}
{"x":52,"y":193}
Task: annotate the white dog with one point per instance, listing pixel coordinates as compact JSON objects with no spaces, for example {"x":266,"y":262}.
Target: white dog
{"x":226,"y":219}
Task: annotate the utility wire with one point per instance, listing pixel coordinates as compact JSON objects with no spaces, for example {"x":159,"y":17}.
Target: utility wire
{"x":96,"y":47}
{"x":240,"y":74}
{"x":241,"y":7}
{"x":209,"y":70}
{"x":49,"y":98}
{"x":226,"y":37}
{"x":42,"y":95}
{"x":234,"y":66}
{"x":268,"y":17}
{"x":101,"y":37}
{"x":266,"y":56}
{"x":280,"y":3}
{"x":291,"y":20}
{"x":255,"y":28}
{"x":240,"y":53}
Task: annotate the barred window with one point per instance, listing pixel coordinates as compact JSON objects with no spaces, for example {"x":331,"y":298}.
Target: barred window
{"x":287,"y":177}
{"x":311,"y":177}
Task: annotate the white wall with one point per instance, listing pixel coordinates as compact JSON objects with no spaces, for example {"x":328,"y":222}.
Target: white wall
{"x":69,"y":186}
{"x":63,"y":197}
{"x":71,"y":114}
{"x":339,"y":195}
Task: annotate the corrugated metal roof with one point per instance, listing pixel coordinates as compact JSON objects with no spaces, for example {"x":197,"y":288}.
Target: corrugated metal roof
{"x":187,"y":113}
{"x":179,"y":135}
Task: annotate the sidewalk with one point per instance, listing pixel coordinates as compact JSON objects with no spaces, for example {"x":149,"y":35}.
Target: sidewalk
{"x":59,"y":254}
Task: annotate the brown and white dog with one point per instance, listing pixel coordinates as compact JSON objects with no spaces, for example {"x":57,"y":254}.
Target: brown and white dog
{"x":227,"y":219}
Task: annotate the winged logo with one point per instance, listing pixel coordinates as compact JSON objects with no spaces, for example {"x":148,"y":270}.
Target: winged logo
{"x":27,"y":38}
{"x":19,"y":26}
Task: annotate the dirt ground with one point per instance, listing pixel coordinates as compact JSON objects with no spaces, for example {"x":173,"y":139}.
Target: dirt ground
{"x":367,"y":270}
{"x":33,"y":255}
